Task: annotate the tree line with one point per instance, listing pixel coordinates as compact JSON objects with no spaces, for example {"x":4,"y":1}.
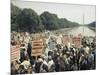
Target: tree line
{"x":93,"y":24}
{"x":28,"y":20}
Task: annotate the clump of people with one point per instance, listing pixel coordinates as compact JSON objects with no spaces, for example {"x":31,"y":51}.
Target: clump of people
{"x":60,"y":59}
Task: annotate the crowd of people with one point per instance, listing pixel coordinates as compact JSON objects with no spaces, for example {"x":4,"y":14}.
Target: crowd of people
{"x":60,"y":59}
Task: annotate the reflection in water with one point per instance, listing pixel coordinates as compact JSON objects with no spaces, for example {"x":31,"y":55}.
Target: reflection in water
{"x":85,"y":31}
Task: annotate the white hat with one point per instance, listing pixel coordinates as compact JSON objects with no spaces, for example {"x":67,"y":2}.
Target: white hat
{"x":49,"y":57}
{"x":40,"y":60}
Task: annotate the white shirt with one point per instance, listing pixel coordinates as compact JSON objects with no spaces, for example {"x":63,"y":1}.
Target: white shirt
{"x":26,"y":64}
{"x":87,"y":50}
{"x":44,"y":62}
{"x":50,"y":63}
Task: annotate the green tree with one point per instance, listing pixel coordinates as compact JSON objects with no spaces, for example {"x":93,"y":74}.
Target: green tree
{"x":14,"y":12}
{"x":50,"y":21}
{"x":29,"y":21}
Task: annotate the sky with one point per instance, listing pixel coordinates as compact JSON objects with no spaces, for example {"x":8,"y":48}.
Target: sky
{"x":72,"y":12}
